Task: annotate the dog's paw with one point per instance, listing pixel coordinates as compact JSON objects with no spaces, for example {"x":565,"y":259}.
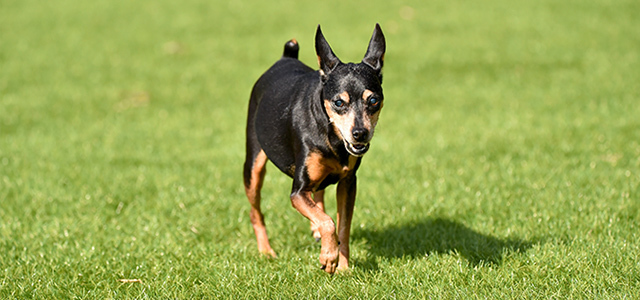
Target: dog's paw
{"x":343,"y":268}
{"x":269,"y":253}
{"x":329,"y":256}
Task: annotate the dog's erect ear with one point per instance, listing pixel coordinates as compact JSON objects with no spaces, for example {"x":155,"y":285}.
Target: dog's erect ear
{"x":375,"y":53}
{"x":326,"y":58}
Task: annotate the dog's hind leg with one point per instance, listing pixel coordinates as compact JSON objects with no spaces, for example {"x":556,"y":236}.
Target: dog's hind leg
{"x":254,"y":171}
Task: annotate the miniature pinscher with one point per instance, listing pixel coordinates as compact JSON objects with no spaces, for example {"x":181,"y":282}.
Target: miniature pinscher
{"x":315,"y":126}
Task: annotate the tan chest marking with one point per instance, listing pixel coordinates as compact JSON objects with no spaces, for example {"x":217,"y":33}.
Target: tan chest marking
{"x":319,"y":167}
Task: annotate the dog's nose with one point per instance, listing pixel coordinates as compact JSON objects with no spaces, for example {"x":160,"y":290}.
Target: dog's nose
{"x":360,"y":134}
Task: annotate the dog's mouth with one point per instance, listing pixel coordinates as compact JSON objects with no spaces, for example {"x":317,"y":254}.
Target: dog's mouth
{"x":356,"y":149}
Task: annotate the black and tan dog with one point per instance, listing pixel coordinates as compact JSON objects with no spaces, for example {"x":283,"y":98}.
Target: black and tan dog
{"x":315,"y":126}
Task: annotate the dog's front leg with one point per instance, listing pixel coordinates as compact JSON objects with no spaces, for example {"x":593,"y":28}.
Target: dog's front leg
{"x":346,"y":196}
{"x":318,"y":198}
{"x":301,"y":200}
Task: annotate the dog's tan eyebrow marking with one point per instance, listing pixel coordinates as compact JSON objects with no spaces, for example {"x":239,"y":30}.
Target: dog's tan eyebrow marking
{"x":366,"y":94}
{"x":344,"y":96}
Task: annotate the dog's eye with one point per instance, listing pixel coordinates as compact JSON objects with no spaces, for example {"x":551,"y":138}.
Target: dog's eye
{"x":339,"y":103}
{"x":373,"y":101}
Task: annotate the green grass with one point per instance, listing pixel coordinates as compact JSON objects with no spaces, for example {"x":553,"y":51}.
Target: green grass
{"x":506,"y":163}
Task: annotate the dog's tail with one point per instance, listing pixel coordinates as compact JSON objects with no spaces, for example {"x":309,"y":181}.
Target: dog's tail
{"x":291,"y":49}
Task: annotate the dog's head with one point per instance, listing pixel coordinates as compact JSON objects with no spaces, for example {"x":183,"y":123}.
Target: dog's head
{"x":352,"y":93}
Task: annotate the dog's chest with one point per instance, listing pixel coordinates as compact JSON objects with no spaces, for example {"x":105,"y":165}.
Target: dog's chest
{"x":323,"y":171}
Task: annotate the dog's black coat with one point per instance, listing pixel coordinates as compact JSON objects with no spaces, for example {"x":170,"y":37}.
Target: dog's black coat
{"x":289,"y":121}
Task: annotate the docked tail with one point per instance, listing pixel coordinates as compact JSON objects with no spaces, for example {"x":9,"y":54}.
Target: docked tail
{"x":291,"y":49}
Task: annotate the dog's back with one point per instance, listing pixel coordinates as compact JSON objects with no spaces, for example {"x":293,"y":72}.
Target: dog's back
{"x":272,"y":98}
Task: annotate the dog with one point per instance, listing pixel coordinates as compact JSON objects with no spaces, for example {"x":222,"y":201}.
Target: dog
{"x":315,"y":126}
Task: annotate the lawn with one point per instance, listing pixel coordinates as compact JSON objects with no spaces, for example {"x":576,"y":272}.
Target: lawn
{"x":506,"y":163}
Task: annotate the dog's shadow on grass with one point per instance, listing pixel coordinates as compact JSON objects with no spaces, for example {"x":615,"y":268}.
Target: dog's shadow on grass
{"x":436,"y":236}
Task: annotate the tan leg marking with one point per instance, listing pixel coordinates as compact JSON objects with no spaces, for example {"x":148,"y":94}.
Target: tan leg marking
{"x":318,"y":198}
{"x":346,"y":200}
{"x":318,"y":167}
{"x":253,"y":194}
{"x":329,"y":240}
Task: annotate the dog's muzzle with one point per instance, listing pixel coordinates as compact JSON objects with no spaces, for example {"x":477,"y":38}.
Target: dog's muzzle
{"x":356,"y":149}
